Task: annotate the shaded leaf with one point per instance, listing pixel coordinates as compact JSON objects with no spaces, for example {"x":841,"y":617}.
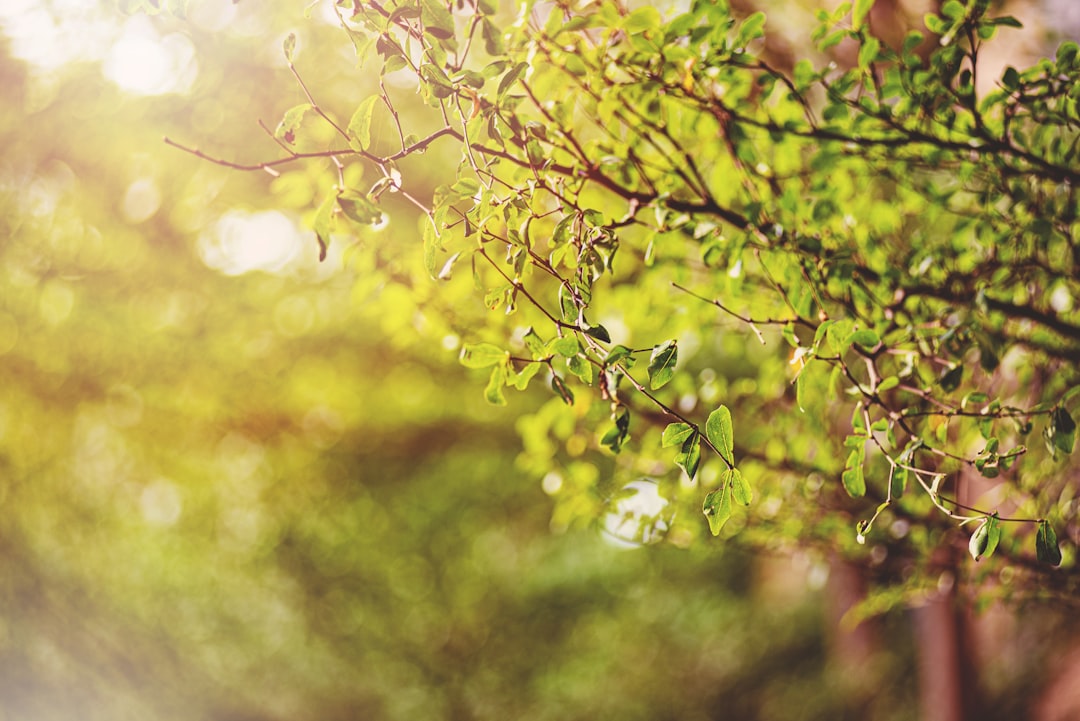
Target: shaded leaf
{"x":1046,"y":545}
{"x":689,"y":456}
{"x":559,"y":386}
{"x":356,"y":206}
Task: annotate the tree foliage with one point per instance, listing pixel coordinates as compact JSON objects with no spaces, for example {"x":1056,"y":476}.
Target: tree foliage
{"x":842,"y":297}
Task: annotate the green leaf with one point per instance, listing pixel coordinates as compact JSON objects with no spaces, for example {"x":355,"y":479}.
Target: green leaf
{"x":1046,"y":545}
{"x":979,"y":540}
{"x":616,"y":435}
{"x":436,"y":79}
{"x":322,"y":222}
{"x":717,"y":508}
{"x":520,"y":380}
{"x":510,"y":78}
{"x":559,"y":386}
{"x":751,"y":29}
{"x":740,"y":487}
{"x":898,"y":482}
{"x":865,"y":337}
{"x":438,"y":22}
{"x":620,"y":354}
{"x":950,"y":380}
{"x":859,"y":12}
{"x":357,"y":207}
{"x":888,"y":384}
{"x":534,"y":343}
{"x":482,"y":355}
{"x":290,"y":122}
{"x":676,"y":433}
{"x":289,"y":46}
{"x":598,"y":332}
{"x":1007,"y":21}
{"x":993,"y":535}
{"x":662,"y":364}
{"x":689,"y":456}
{"x":1060,"y":432}
{"x":852,"y":478}
{"x":493,"y":393}
{"x":359,"y":128}
{"x":580,"y":366}
{"x":566,"y":346}
{"x":719,"y":431}
{"x":868,"y":52}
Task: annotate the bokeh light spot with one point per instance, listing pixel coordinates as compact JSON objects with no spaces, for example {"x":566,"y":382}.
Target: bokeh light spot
{"x":142,"y":62}
{"x":243,"y":242}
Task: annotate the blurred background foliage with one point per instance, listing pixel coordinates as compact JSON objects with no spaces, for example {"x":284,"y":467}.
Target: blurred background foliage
{"x":236,"y":483}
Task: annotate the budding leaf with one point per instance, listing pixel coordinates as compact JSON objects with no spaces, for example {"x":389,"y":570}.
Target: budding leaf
{"x":289,"y":46}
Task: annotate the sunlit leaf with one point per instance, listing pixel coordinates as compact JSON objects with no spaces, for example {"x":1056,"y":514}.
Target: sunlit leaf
{"x":482,"y":355}
{"x":741,"y":491}
{"x":676,"y":433}
{"x":1046,"y":545}
{"x":359,"y":127}
{"x":718,"y":430}
{"x":662,"y":364}
{"x":717,"y":508}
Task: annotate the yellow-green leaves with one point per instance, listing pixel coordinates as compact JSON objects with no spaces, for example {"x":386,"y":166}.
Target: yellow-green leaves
{"x":719,"y":431}
{"x":662,"y":364}
{"x":321,"y":223}
{"x":356,"y":206}
{"x":733,"y":485}
{"x":740,"y":488}
{"x":359,"y":128}
{"x":717,"y":505}
{"x":482,"y":355}
{"x":290,"y":122}
{"x":859,"y":12}
{"x":1046,"y":545}
{"x":289,"y":47}
{"x":717,"y":508}
{"x":687,"y":438}
{"x":852,"y":478}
